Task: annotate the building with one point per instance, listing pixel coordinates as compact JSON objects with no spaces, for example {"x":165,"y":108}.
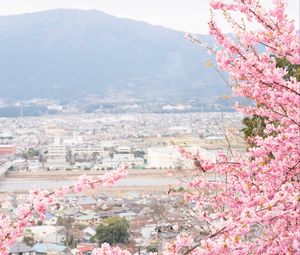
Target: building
{"x":21,"y":249}
{"x":7,"y":150}
{"x":123,"y":149}
{"x":119,"y":159}
{"x":34,"y":165}
{"x":47,"y":233}
{"x":56,"y":158}
{"x":83,"y":250}
{"x":163,"y":157}
{"x":169,"y":157}
{"x":50,"y":248}
{"x":88,"y":151}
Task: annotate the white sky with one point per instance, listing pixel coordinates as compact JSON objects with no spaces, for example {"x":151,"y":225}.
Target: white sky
{"x":184,"y":15}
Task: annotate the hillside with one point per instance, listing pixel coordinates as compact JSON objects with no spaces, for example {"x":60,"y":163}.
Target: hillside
{"x":68,"y":54}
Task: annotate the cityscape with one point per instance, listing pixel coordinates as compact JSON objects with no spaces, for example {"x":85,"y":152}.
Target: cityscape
{"x":51,"y":151}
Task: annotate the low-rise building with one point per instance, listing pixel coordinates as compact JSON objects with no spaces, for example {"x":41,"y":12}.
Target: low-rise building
{"x":21,"y":249}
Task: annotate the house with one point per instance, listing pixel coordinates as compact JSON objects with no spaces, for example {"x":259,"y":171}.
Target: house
{"x":87,"y":203}
{"x":21,"y":249}
{"x":87,"y":220}
{"x":50,"y":219}
{"x":51,"y":249}
{"x":88,"y":234}
{"x":83,"y":250}
{"x":128,"y":215}
{"x":73,"y":212}
{"x":47,"y":233}
{"x":106,"y":214}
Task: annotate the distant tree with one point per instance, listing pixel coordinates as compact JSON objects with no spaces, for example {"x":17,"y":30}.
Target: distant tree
{"x":30,"y":153}
{"x":151,"y":248}
{"x":71,"y":242}
{"x":139,"y":154}
{"x":95,"y":155}
{"x":112,"y":230}
{"x":67,"y":223}
{"x":254,"y":126}
{"x":29,"y":239}
{"x":293,"y":70}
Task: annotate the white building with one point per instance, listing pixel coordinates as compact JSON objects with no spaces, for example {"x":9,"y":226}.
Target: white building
{"x":46,"y":233}
{"x":33,"y":165}
{"x":56,"y":158}
{"x":20,"y":164}
{"x":169,"y":157}
{"x":88,"y":150}
{"x":123,"y":149}
{"x":121,"y":159}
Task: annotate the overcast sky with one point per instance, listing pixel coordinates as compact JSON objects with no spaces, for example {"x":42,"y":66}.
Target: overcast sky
{"x":184,"y":15}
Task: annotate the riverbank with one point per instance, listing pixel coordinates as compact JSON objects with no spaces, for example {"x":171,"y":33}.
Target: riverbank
{"x":135,"y":180}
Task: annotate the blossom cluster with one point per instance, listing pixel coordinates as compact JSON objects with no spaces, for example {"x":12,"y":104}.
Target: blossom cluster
{"x":254,"y":207}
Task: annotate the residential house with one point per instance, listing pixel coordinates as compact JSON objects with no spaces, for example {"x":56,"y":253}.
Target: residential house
{"x":88,"y":233}
{"x":21,"y":249}
{"x":51,"y":249}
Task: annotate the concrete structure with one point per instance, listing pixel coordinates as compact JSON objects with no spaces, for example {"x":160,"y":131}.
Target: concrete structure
{"x":88,"y":150}
{"x":165,"y":157}
{"x":50,"y":248}
{"x":56,"y":158}
{"x":169,"y":157}
{"x":33,"y":165}
{"x":21,"y":249}
{"x":121,"y":159}
{"x":7,"y":150}
{"x":20,"y":165}
{"x":47,"y":233}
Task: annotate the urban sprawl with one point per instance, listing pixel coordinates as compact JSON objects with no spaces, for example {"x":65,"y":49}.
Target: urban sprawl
{"x":62,"y":146}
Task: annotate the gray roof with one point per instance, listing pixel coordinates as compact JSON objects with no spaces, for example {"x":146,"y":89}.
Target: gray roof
{"x":20,"y":247}
{"x":87,"y":201}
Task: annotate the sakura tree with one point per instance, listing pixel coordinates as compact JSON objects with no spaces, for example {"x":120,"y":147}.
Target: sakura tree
{"x":254,"y":206}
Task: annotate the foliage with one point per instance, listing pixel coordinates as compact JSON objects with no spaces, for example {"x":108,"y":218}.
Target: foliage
{"x":71,"y":242}
{"x":293,"y":70}
{"x":151,"y":248}
{"x":30,"y":153}
{"x":255,"y":125}
{"x":29,"y":240}
{"x":112,"y":230}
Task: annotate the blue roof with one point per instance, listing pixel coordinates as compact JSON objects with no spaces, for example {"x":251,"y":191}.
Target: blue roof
{"x":49,"y":216}
{"x":46,"y":247}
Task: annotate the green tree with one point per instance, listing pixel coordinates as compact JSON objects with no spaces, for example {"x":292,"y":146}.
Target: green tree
{"x":71,"y":242}
{"x":67,"y":223}
{"x":112,"y":230}
{"x":151,"y":248}
{"x":30,"y":153}
{"x":292,"y":70}
{"x":254,"y":126}
{"x":29,"y":240}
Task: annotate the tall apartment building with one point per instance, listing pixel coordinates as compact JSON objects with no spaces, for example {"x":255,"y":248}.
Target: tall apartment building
{"x":56,"y":158}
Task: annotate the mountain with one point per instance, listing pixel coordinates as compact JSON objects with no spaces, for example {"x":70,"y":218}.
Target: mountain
{"x":69,"y":54}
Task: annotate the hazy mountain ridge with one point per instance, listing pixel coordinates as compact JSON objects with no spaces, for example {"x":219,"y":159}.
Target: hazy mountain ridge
{"x":73,"y":53}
